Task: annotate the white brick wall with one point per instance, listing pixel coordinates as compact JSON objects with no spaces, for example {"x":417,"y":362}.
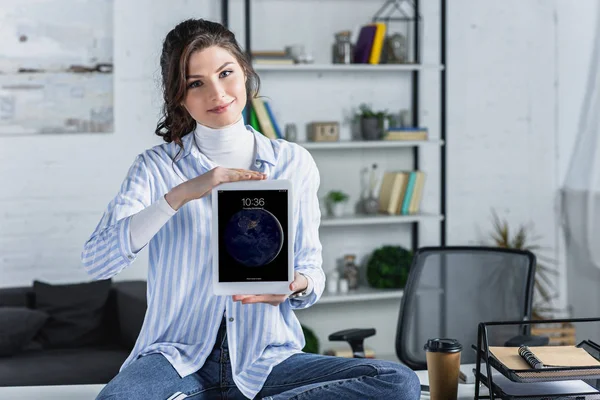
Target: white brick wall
{"x":505,"y":63}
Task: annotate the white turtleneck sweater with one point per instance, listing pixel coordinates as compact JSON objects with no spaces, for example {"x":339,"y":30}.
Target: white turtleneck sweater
{"x":229,"y":147}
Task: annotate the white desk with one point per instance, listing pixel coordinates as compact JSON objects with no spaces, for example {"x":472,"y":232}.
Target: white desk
{"x":85,"y":392}
{"x":67,"y":392}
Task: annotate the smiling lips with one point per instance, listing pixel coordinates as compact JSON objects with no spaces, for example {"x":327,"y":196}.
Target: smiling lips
{"x":221,"y":109}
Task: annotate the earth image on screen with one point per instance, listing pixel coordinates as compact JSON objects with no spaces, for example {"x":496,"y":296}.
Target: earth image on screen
{"x":253,"y":237}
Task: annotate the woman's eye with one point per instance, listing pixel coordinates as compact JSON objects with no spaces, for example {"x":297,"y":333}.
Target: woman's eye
{"x":194,"y":84}
{"x":225,"y":73}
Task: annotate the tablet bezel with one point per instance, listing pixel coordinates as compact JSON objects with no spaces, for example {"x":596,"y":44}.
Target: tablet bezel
{"x":257,"y":288}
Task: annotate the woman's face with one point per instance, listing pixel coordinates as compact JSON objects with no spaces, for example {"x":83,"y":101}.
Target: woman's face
{"x":216,"y":87}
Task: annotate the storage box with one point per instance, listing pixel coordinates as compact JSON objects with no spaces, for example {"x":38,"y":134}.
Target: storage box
{"x":323,"y":131}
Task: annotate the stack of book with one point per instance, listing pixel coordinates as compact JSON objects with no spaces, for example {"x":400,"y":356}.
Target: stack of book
{"x":260,"y":116}
{"x":542,"y":372}
{"x":401,"y":192}
{"x":369,"y":44}
{"x":393,"y":133}
{"x":273,"y":57}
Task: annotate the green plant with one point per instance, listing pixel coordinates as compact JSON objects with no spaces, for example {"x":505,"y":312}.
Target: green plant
{"x":524,"y":239}
{"x":312,"y":342}
{"x":337,"y":196}
{"x":388,"y":267}
{"x":365,"y":111}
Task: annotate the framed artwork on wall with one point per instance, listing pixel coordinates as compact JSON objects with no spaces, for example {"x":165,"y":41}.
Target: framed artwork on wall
{"x":56,"y":67}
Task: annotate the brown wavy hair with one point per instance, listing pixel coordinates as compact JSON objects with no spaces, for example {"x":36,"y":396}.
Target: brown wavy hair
{"x":180,"y":43}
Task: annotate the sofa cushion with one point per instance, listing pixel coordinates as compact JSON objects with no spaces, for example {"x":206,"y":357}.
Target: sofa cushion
{"x":17,"y":297}
{"x":76,"y":313}
{"x":18,"y":325}
{"x":62,"y":366}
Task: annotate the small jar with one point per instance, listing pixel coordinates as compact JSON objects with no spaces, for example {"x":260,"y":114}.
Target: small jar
{"x":332,"y":282}
{"x":291,"y":132}
{"x":342,"y":48}
{"x":343,"y":286}
{"x":351,"y":271}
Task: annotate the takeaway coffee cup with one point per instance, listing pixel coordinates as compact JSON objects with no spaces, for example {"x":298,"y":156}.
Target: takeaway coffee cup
{"x":443,"y":368}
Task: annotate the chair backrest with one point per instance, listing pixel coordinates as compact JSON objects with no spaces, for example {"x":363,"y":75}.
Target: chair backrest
{"x":450,"y":290}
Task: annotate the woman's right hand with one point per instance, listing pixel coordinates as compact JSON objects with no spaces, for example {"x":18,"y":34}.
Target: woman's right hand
{"x":201,"y":185}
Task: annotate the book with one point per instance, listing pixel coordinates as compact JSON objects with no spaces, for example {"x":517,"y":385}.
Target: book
{"x":549,"y":389}
{"x":263,"y":118}
{"x":415,"y":201}
{"x":377,"y":45}
{"x":392,"y":191}
{"x":577,"y":363}
{"x":550,"y":356}
{"x":405,"y":134}
{"x":364,"y":43}
{"x":273,"y":121}
{"x":410,"y":185}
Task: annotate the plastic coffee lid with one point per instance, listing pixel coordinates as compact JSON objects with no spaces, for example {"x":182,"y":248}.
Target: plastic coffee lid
{"x":443,"y":345}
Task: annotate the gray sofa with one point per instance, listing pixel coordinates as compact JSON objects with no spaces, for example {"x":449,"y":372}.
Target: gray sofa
{"x":94,"y":363}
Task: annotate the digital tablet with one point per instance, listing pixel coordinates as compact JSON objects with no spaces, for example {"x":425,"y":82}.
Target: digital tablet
{"x":252,"y":241}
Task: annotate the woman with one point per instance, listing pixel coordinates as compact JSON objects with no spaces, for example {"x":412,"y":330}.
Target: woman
{"x":193,"y":344}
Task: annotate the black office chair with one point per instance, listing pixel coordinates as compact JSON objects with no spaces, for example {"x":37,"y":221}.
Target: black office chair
{"x":449,"y":291}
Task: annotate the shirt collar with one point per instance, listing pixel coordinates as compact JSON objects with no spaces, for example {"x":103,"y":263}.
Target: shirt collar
{"x":263,"y":146}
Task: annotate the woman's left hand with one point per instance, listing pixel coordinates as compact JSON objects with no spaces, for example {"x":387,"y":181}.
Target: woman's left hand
{"x":299,"y":284}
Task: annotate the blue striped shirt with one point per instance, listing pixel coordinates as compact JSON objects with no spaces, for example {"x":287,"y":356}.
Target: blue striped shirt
{"x":183,"y":316}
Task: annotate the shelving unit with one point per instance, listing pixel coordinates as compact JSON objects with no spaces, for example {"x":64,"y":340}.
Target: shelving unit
{"x":361,"y":294}
{"x":414,"y":147}
{"x":378,"y":219}
{"x":374,"y":144}
{"x":347,"y":67}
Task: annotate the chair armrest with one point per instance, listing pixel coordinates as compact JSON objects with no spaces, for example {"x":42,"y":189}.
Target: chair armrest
{"x":352,"y":334}
{"x":355,"y":338}
{"x":131,"y":307}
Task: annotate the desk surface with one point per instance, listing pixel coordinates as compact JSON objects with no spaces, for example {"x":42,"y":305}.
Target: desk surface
{"x":82,"y":392}
{"x":58,"y":392}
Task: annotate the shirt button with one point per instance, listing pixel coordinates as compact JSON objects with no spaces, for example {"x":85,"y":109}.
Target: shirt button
{"x":257,"y":163}
{"x":231,"y":319}
{"x":130,"y":257}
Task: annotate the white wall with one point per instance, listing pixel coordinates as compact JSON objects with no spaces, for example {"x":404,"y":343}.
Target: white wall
{"x":514,"y":80}
{"x":576,"y":32}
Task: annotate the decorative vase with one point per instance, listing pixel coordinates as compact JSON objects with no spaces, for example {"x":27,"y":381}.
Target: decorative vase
{"x":337,"y":209}
{"x":351,"y":271}
{"x":370,"y":128}
{"x":371,"y":205}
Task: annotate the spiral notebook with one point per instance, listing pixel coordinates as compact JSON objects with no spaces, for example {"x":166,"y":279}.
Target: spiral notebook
{"x":572,"y":357}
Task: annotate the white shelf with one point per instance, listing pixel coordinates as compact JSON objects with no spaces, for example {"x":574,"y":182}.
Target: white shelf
{"x":361,"y":294}
{"x":366,"y":293}
{"x":367,"y":144}
{"x":347,"y":67}
{"x":378,"y":219}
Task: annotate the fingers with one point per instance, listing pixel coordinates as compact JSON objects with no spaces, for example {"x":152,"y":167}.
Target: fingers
{"x":239,"y":297}
{"x":242,"y":174}
{"x":273,"y":299}
{"x":298,"y":282}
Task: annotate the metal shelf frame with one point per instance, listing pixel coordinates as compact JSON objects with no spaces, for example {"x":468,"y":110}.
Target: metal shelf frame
{"x":415,"y":97}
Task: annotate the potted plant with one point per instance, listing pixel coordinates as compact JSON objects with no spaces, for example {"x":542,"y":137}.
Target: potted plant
{"x":523,"y":238}
{"x":371,"y":122}
{"x":388,"y":267}
{"x":336,"y":203}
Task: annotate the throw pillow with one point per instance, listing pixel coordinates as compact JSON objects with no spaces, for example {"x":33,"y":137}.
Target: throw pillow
{"x":76,"y":313}
{"x":18,"y":325}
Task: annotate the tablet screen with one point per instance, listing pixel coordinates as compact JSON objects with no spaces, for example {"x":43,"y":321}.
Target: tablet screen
{"x":253,"y":242}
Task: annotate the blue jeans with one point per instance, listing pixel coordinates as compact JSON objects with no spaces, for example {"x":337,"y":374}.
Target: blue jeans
{"x":302,"y":376}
